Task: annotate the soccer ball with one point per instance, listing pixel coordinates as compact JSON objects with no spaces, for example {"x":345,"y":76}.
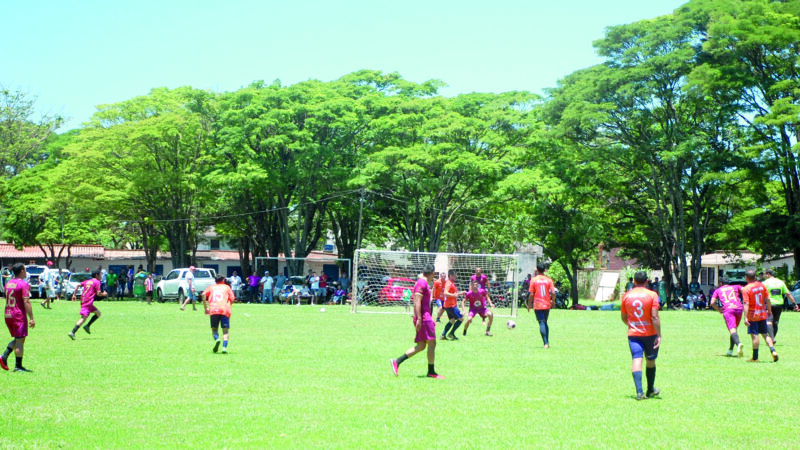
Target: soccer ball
{"x":322,"y":310}
{"x":511,"y":324}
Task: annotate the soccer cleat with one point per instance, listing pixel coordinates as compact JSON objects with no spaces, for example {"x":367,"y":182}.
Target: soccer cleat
{"x":21,"y":369}
{"x":71,"y":335}
{"x":653,"y":393}
{"x":224,"y":349}
{"x":753,"y":360}
{"x":452,"y":337}
{"x":730,"y":352}
{"x":640,"y":396}
{"x":216,"y":346}
{"x":184,"y":309}
{"x":395,"y":367}
{"x":775,"y":356}
{"x":3,"y":363}
{"x":443,"y":338}
{"x":438,"y":320}
{"x":464,"y":333}
{"x":488,"y":333}
{"x":740,"y":350}
{"x":86,"y":329}
{"x":436,"y":375}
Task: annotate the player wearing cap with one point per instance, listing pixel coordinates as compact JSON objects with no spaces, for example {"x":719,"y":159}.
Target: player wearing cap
{"x":190,"y":295}
{"x":726,"y":300}
{"x":217,"y":300}
{"x":423,"y":323}
{"x":777,"y":290}
{"x":756,"y":308}
{"x":91,"y":290}
{"x":639,"y":311}
{"x":18,"y":305}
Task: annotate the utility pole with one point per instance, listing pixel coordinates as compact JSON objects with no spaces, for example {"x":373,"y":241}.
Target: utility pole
{"x":360,"y":212}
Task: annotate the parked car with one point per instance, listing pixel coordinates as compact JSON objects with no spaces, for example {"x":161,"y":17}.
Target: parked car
{"x":74,"y":283}
{"x":397,"y":291}
{"x":795,"y":291}
{"x":174,"y":285}
{"x":34,"y":273}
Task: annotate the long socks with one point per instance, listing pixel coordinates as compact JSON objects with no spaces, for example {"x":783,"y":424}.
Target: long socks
{"x":402,"y":358}
{"x":637,"y":380}
{"x":92,"y":320}
{"x":446,"y":329}
{"x":9,"y":349}
{"x":455,"y":326}
{"x":734,"y":339}
{"x":650,"y":373}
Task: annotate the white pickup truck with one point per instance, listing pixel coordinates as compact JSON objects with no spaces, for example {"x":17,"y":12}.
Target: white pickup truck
{"x":174,"y":285}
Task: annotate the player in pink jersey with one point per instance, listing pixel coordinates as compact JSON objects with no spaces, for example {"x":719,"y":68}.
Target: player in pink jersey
{"x":423,"y":323}
{"x":18,"y":305}
{"x":639,"y":311}
{"x":756,"y":309}
{"x":217,"y":300}
{"x":477,"y":299}
{"x":726,"y":300}
{"x":480,"y":278}
{"x":91,"y":290}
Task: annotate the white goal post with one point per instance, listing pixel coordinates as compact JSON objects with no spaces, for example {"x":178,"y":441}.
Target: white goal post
{"x":383,"y":279}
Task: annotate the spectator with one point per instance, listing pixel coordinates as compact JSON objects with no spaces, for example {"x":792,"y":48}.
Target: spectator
{"x":313,"y":282}
{"x":338,"y":295}
{"x":323,"y":288}
{"x":629,"y":285}
{"x":122,"y":283}
{"x":253,"y":288}
{"x":111,"y":284}
{"x":236,"y":285}
{"x":344,"y":281}
{"x":129,"y":280}
{"x":266,"y":288}
{"x":148,"y":288}
{"x":288,"y":291}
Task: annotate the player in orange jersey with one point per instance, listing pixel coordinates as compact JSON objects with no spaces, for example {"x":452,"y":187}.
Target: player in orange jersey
{"x":217,"y":300}
{"x":438,"y":294}
{"x":756,"y":309}
{"x":542,"y":295}
{"x":639,"y":311}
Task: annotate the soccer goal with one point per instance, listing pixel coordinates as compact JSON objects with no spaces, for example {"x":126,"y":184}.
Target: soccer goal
{"x":383,"y":279}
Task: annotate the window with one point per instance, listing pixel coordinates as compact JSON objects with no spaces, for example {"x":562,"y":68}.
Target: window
{"x":213,"y":244}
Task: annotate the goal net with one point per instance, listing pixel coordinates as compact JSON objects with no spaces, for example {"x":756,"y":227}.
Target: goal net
{"x":383,"y":279}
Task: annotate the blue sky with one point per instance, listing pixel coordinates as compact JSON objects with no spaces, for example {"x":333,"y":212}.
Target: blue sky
{"x":73,"y":56}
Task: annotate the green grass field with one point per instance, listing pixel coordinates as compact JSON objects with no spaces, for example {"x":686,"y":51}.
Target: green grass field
{"x":296,"y":377}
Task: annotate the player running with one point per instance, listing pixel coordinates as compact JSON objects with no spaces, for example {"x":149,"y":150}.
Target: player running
{"x":217,"y":300}
{"x":477,"y":299}
{"x":756,"y":307}
{"x":725,"y":299}
{"x":542,"y":296}
{"x":91,"y":290}
{"x":777,"y":290}
{"x":423,"y":323}
{"x":438,"y":294}
{"x":639,"y":311}
{"x":18,"y":305}
{"x":451,"y":295}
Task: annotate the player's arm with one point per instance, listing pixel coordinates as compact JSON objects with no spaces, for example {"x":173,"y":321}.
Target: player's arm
{"x":204,"y":299}
{"x":552,"y":296}
{"x":624,"y":317}
{"x":746,"y":305}
{"x":489,"y":300}
{"x":418,"y":310}
{"x":791,"y":297}
{"x":29,"y":310}
{"x":656,"y":325}
{"x":714,"y":298}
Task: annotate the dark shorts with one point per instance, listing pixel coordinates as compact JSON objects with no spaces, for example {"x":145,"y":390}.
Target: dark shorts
{"x":541,"y":314}
{"x":454,"y":313}
{"x":758,"y":327}
{"x":17,"y":328}
{"x":643,"y":346}
{"x":217,"y":319}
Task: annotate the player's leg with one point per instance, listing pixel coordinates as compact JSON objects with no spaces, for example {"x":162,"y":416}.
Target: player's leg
{"x":650,"y":353}
{"x":637,"y":354}
{"x":732,"y":319}
{"x":78,"y":324}
{"x":95,"y":316}
{"x":226,"y":325}
{"x":752,"y":330}
{"x":459,"y":320}
{"x":490,"y":316}
{"x":7,"y":353}
{"x":769,"y":341}
{"x":468,"y":322}
{"x":772,"y":321}
{"x":431,"y":359}
{"x":19,"y":352}
{"x":439,"y":313}
{"x":214,"y":320}
{"x":451,"y":318}
{"x":544,"y":330}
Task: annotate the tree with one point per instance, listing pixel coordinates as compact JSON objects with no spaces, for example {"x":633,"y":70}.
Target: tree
{"x":22,"y":137}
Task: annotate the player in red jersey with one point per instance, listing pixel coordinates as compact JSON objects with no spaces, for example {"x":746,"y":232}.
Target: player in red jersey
{"x":18,"y":305}
{"x":542,"y":295}
{"x":217,"y":300}
{"x":438,"y":294}
{"x":756,"y":309}
{"x":639,"y":311}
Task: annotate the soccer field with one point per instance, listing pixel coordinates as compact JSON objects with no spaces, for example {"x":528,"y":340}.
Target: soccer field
{"x":296,"y":377}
